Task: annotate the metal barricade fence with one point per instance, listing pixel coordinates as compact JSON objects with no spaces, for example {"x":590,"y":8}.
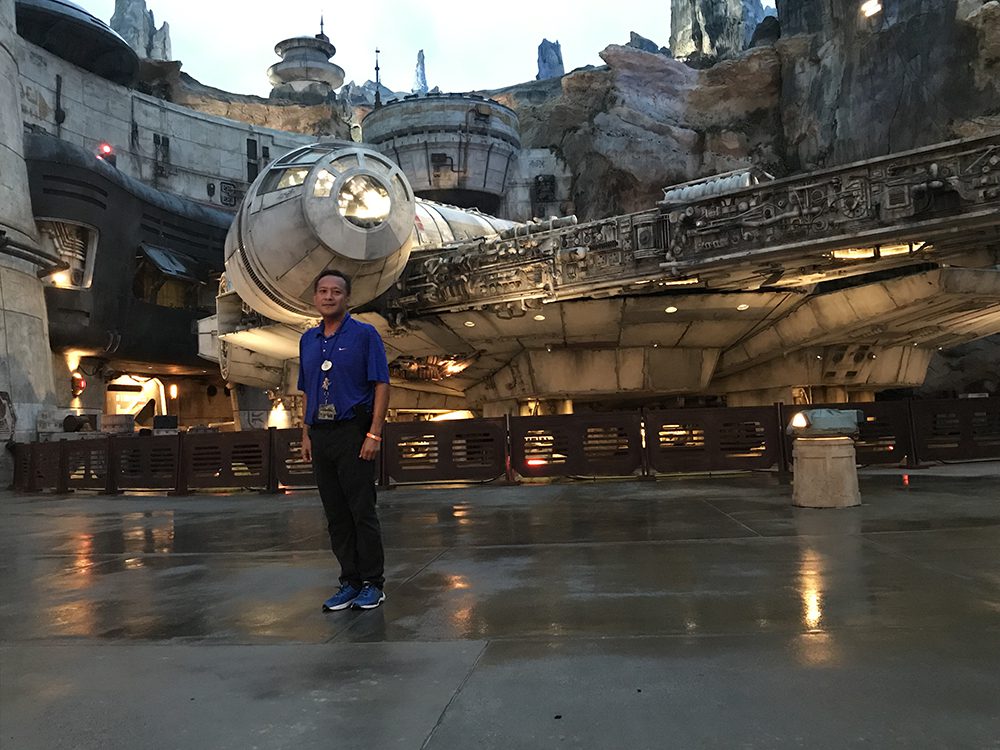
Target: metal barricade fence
{"x":288,"y":469}
{"x":225,"y":460}
{"x":467,"y":449}
{"x":956,"y":429}
{"x":713,"y":439}
{"x":477,"y":450}
{"x":587,"y":445}
{"x":146,"y":462}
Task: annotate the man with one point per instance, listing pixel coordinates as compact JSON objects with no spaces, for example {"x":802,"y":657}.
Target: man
{"x":345,"y":378}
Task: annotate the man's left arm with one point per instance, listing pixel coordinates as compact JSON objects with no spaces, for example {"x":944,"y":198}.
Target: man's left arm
{"x":380,"y":405}
{"x":378,"y":375}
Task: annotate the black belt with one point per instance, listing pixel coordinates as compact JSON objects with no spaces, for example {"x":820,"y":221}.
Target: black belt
{"x":328,"y":425}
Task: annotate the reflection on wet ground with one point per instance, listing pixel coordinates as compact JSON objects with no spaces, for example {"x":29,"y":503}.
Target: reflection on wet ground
{"x":683,"y":586}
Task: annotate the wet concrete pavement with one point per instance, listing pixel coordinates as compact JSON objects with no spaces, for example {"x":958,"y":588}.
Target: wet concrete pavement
{"x":668,"y":614}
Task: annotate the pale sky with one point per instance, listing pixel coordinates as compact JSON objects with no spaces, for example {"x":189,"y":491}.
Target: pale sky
{"x":467,"y":45}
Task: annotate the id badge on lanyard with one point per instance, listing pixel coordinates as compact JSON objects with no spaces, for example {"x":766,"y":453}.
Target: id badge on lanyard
{"x":327,"y":411}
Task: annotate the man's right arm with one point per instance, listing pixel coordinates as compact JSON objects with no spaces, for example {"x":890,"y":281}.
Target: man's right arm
{"x":306,"y":442}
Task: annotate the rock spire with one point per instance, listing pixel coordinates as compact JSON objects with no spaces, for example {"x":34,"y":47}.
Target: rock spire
{"x":136,"y":25}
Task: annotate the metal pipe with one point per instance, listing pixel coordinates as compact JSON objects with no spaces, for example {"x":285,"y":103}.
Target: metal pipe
{"x":31,"y":254}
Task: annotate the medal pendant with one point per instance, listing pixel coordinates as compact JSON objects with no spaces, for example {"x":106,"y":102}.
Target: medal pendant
{"x":327,"y":411}
{"x":327,"y":364}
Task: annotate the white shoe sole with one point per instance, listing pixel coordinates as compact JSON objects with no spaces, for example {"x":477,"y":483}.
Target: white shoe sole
{"x":338,"y":607}
{"x":368,"y":606}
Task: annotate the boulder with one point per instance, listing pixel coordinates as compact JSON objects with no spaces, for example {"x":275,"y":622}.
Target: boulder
{"x":767,"y":33}
{"x":641,"y":42}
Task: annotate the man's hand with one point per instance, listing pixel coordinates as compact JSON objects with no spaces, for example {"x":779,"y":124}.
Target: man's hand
{"x":369,"y":449}
{"x":307,"y":448}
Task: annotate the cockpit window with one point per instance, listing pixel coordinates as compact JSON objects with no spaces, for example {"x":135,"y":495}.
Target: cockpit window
{"x":278,"y":179}
{"x":303,"y":156}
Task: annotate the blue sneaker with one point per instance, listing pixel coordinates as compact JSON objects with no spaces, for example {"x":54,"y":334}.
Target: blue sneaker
{"x":370,"y":597}
{"x":342,"y":599}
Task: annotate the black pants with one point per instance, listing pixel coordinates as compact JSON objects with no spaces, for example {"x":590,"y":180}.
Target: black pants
{"x":347,"y":488}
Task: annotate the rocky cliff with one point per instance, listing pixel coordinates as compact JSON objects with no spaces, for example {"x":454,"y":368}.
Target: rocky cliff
{"x":713,"y":29}
{"x":836,"y":87}
{"x":920,"y":72}
{"x":645,"y":121}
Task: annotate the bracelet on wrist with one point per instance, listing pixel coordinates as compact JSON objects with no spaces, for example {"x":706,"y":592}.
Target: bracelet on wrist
{"x":373,"y":436}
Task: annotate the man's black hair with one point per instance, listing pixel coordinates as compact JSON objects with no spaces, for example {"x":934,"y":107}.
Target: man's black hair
{"x":333,"y":272}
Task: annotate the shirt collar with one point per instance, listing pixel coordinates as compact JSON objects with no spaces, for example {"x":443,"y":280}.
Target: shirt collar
{"x":319,"y":328}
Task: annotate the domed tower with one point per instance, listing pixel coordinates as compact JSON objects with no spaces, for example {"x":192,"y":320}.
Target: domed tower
{"x":305,"y":69}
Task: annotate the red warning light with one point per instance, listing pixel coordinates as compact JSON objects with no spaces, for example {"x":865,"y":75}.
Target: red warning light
{"x":906,"y":480}
{"x":107,"y":152}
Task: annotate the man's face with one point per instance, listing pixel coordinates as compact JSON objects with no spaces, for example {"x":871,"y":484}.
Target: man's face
{"x":331,"y":297}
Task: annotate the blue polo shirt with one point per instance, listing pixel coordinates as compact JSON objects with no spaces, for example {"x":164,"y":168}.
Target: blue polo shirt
{"x":358,"y":356}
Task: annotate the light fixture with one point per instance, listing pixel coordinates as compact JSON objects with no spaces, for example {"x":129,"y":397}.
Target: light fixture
{"x":819,"y":356}
{"x":548,"y":347}
{"x":886,"y":251}
{"x":656,"y":346}
{"x":77,"y":383}
{"x":469,"y":324}
{"x":670,"y":310}
{"x":106,"y":152}
{"x":61,"y":278}
{"x":539,"y":317}
{"x":871,"y":7}
{"x":173,"y":390}
{"x":680,"y":282}
{"x":743,"y":307}
{"x":800,"y":420}
{"x":854,"y":253}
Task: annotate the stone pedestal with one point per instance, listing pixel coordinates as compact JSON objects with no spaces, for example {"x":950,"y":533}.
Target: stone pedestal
{"x":826,"y":474}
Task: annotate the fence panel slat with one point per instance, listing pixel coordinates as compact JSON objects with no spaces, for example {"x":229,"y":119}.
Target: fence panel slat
{"x":467,"y":449}
{"x":712,"y":439}
{"x":291,"y":470}
{"x":87,"y":463}
{"x":227,"y":460}
{"x":147,"y":462}
{"x":587,"y":445}
{"x":956,"y":429}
